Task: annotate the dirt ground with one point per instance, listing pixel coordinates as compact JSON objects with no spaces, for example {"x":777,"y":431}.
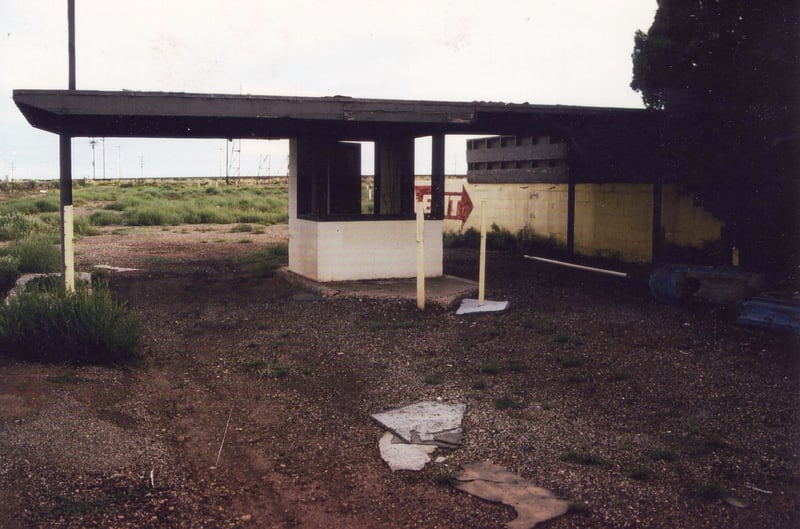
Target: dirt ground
{"x":251,"y":404}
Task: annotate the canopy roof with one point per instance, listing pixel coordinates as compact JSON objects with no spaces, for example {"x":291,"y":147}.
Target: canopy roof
{"x":187,"y":115}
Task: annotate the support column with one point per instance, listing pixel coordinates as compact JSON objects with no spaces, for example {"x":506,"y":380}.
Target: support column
{"x":657,"y":243}
{"x":394,"y":176}
{"x":570,"y":215}
{"x":65,"y":189}
{"x":65,"y":172}
{"x":437,"y":177}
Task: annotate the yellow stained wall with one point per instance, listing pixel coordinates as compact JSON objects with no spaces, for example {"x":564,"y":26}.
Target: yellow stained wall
{"x":685,"y":223}
{"x":610,"y":219}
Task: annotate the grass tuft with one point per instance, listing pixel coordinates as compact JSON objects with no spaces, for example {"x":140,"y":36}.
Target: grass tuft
{"x":83,"y":327}
{"x":582,"y":458}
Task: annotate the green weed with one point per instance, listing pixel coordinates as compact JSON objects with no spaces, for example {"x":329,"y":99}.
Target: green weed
{"x":582,"y":458}
{"x":490,"y":367}
{"x":35,"y":254}
{"x":82,"y":327}
{"x":507,"y":402}
{"x":434,"y":378}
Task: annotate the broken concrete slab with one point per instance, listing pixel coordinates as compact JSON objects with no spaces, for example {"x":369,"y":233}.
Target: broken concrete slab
{"x":494,"y":483}
{"x":400,"y":455}
{"x":431,"y":423}
{"x":116,"y":268}
{"x":470,"y":306}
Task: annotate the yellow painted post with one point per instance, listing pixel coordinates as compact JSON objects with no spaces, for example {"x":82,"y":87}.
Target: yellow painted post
{"x":420,"y":257}
{"x":482,"y":269}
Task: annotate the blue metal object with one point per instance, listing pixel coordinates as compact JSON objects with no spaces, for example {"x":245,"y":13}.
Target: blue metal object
{"x":772,"y":311}
{"x":717,"y":284}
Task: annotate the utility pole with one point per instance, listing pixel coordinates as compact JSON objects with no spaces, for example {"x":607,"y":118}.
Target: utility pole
{"x":65,"y":168}
{"x":93,"y":142}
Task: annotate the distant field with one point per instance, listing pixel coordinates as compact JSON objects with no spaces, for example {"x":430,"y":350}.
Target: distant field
{"x":34,"y":206}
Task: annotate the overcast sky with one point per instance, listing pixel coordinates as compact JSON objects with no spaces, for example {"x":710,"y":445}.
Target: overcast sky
{"x":570,"y":52}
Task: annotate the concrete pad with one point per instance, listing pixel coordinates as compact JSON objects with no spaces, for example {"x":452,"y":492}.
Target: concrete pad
{"x":444,"y":291}
{"x":400,"y":455}
{"x":469,"y":306}
{"x":494,"y":483}
{"x":429,"y":423}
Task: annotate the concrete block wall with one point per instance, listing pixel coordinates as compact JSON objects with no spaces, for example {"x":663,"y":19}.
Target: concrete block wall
{"x":543,"y":207}
{"x":686,"y":223}
{"x":610,"y":219}
{"x":614,"y":219}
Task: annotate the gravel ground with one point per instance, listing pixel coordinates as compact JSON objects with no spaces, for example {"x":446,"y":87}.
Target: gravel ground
{"x":251,"y":405}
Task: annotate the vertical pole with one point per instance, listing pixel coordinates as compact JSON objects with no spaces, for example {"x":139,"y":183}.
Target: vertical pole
{"x":570,"y":215}
{"x":657,"y":241}
{"x":71,"y":50}
{"x":437,"y":177}
{"x":420,"y":256}
{"x":482,"y":266}
{"x":65,"y":170}
{"x":65,"y":186}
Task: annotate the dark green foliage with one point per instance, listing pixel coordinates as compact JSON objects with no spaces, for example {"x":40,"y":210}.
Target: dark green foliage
{"x":9,"y":273}
{"x":470,"y":238}
{"x":725,"y":79}
{"x":525,"y":241}
{"x":83,"y":327}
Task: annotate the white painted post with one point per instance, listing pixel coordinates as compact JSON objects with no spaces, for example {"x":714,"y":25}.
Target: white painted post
{"x":420,"y":256}
{"x":482,"y":269}
{"x":68,"y":249}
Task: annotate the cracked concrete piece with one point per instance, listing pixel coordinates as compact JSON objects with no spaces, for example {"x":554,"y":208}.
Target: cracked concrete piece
{"x":400,"y":455}
{"x":430,"y":423}
{"x":470,"y":306}
{"x":494,"y":483}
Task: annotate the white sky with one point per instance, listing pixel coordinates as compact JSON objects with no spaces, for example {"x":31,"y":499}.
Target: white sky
{"x":571,"y":52}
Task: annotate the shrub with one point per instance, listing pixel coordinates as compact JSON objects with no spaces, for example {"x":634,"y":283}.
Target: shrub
{"x":81,"y":226}
{"x":44,"y":205}
{"x":35,"y":255}
{"x":15,"y":225}
{"x":104,"y":218}
{"x":469,"y":238}
{"x":9,"y":273}
{"x":83,"y":327}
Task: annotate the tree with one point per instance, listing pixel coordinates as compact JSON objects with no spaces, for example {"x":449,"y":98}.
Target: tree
{"x":723,"y":77}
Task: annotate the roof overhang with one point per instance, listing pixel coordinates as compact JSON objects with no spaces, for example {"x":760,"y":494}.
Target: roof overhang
{"x":187,"y":115}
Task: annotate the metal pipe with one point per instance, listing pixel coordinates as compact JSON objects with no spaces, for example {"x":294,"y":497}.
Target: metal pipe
{"x":579,"y":267}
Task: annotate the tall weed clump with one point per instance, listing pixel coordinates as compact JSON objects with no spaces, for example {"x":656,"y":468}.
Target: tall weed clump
{"x":9,"y":273}
{"x":15,"y":225}
{"x":35,"y":255}
{"x":82,"y":327}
